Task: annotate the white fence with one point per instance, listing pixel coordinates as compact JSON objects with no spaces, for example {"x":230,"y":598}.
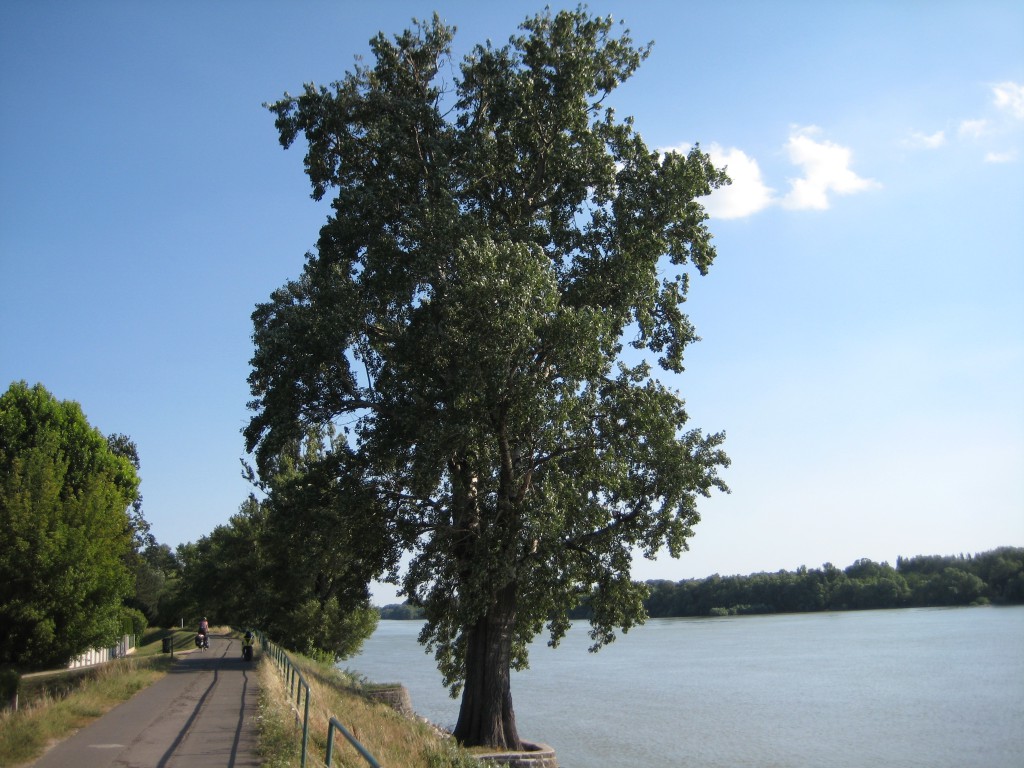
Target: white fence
{"x":101,"y":655}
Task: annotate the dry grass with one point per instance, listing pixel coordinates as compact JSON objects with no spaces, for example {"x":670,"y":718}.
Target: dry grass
{"x":279,"y":746}
{"x":55,"y":712}
{"x":395,"y":741}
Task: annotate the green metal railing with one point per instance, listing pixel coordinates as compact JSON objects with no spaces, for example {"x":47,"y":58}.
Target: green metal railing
{"x":298,"y":693}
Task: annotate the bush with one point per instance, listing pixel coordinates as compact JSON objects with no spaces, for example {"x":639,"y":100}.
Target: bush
{"x":9,"y":682}
{"x":137,"y":620}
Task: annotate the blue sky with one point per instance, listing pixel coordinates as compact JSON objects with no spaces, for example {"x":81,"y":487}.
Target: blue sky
{"x":863,"y":327}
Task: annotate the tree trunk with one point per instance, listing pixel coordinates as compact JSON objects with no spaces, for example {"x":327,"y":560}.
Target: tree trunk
{"x":486,"y":717}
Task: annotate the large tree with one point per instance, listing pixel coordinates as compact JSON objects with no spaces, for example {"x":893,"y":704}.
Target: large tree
{"x":65,"y":531}
{"x":498,"y":237}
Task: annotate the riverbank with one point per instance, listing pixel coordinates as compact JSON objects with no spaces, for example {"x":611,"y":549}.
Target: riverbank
{"x":367,"y":710}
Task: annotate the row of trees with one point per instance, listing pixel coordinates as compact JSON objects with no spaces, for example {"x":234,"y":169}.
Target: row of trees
{"x":287,"y":562}
{"x":77,"y":558}
{"x":996,"y":576}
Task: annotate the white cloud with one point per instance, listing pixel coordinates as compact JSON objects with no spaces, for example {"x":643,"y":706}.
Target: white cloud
{"x":1001,"y":157}
{"x":973,"y":129}
{"x":825,"y":166}
{"x":747,"y":194}
{"x":1010,"y":97}
{"x":826,"y":169}
{"x":1008,"y":100}
{"x":919,"y":140}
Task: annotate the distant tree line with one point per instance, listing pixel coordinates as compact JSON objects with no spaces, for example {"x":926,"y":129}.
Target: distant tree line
{"x":400,"y":612}
{"x":924,"y":581}
{"x":916,"y":582}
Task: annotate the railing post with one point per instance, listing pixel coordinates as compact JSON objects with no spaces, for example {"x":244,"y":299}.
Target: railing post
{"x":305,"y":727}
{"x":330,"y":744}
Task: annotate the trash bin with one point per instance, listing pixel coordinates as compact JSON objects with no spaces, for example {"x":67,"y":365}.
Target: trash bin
{"x":167,"y":645}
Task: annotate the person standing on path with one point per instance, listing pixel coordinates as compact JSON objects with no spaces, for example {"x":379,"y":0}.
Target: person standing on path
{"x":201,"y":715}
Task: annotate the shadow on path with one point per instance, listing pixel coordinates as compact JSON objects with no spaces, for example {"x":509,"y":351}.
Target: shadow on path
{"x":201,"y":715}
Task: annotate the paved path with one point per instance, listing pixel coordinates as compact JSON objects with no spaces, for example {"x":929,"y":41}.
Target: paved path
{"x":201,"y":715}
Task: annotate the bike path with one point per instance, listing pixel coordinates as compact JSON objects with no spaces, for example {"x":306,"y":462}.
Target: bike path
{"x":201,"y":715}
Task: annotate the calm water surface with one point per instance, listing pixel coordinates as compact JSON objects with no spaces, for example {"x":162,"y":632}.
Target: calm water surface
{"x":921,"y":687}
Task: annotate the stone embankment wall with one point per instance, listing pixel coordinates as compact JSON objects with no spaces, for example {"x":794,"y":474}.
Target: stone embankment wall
{"x":533,"y":756}
{"x":397,"y":697}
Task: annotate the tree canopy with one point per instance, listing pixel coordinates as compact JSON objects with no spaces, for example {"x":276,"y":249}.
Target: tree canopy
{"x":65,"y":530}
{"x":481,"y":322}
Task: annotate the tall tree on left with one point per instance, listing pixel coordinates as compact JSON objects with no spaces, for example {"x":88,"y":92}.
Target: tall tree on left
{"x":65,"y":530}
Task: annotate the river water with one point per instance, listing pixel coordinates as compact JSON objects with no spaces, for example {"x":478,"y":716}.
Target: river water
{"x":917,"y":687}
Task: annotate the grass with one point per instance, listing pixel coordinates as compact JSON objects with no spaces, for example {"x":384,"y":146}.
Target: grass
{"x":394,"y":740}
{"x":152,"y":641}
{"x":279,"y":743}
{"x":56,"y":685}
{"x":54,"y":705}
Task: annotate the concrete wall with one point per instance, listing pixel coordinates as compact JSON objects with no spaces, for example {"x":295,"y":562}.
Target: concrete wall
{"x":125,"y":646}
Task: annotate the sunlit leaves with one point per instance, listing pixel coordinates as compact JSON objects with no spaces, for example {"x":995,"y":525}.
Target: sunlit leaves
{"x":64,"y":528}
